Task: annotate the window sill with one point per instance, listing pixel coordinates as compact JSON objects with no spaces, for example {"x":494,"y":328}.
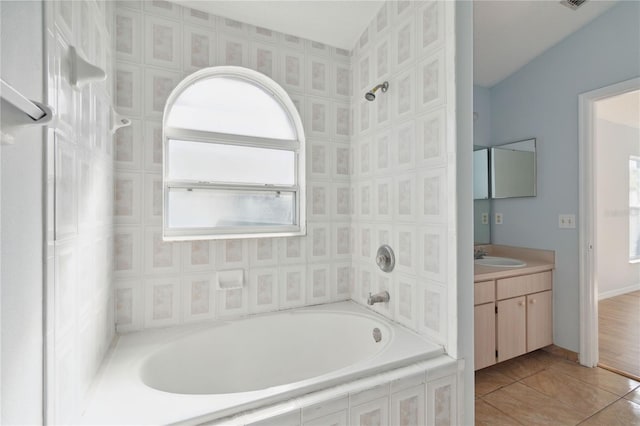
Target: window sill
{"x":232,"y":236}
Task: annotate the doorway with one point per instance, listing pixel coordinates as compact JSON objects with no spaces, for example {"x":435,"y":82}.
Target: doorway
{"x":610,"y":227}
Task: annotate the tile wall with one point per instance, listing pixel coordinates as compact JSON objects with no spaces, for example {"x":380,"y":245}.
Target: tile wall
{"x":403,"y":150}
{"x":385,"y":176}
{"x":156,"y":45}
{"x":79,"y":286}
{"x":421,"y":394}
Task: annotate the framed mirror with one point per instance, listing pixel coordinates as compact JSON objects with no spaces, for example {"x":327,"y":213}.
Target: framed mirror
{"x":513,"y":169}
{"x":480,"y":172}
{"x":481,"y":201}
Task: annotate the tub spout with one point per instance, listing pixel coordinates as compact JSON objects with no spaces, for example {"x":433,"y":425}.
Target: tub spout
{"x":382,"y":297}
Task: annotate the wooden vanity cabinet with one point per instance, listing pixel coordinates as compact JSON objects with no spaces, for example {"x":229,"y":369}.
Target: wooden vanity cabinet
{"x":539,"y":320}
{"x":511,"y":322}
{"x":484,"y":314}
{"x":520,"y":314}
{"x":485,"y":335}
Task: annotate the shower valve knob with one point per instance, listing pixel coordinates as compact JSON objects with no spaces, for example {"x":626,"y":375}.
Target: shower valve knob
{"x":385,"y":259}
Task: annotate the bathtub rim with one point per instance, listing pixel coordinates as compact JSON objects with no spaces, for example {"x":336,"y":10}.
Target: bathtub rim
{"x":104,"y":404}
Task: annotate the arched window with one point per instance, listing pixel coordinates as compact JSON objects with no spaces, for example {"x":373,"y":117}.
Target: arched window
{"x":234,"y":154}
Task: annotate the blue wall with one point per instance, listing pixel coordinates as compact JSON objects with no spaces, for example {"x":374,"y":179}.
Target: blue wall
{"x":541,"y":100}
{"x":481,"y":122}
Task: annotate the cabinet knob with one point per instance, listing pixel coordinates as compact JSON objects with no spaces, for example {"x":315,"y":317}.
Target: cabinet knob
{"x":533,"y":301}
{"x":520,"y":303}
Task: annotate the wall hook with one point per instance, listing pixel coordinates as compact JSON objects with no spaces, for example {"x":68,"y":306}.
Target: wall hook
{"x":83,"y":72}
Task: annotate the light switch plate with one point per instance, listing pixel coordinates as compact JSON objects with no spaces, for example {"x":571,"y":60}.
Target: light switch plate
{"x":567,"y":221}
{"x":484,"y":218}
{"x":498,"y":219}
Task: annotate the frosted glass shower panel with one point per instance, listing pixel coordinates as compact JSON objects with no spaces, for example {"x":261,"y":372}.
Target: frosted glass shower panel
{"x":232,"y":106}
{"x":215,"y":208}
{"x":212,"y":162}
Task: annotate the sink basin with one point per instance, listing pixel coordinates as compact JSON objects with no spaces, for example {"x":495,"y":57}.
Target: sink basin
{"x":500,"y":262}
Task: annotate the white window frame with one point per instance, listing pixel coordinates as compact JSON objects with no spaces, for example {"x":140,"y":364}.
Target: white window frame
{"x":296,"y":146}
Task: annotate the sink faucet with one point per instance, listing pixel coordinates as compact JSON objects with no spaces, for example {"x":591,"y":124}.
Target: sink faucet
{"x":381,"y":297}
{"x":479,"y":253}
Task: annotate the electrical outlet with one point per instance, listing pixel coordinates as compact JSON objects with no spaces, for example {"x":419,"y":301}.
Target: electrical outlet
{"x":484,"y":218}
{"x":498,"y":219}
{"x":567,"y":221}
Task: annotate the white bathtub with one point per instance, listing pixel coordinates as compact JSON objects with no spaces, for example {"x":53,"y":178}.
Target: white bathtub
{"x":207,"y":371}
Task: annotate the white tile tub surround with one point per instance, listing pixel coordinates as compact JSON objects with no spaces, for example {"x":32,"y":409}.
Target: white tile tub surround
{"x":81,"y":206}
{"x":378,"y":172}
{"x":156,"y":44}
{"x":419,"y":394}
{"x":390,"y":374}
{"x":404,"y":146}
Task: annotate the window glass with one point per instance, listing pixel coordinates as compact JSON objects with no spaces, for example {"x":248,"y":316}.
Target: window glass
{"x":232,"y":106}
{"x":234,"y":158}
{"x":211,"y":162}
{"x":214,"y":208}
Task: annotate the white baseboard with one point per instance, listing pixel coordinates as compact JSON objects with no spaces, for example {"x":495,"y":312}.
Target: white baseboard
{"x":618,"y":291}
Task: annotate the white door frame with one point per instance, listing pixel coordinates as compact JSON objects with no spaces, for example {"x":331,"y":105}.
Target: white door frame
{"x":587,"y":165}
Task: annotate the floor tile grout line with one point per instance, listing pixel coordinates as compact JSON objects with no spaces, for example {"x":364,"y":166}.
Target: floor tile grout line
{"x":602,"y":409}
{"x":572,"y":407}
{"x":633,"y":402}
{"x":559,"y":361}
{"x":542,"y":394}
{"x":582,"y":381}
{"x":533,"y":374}
{"x":506,"y":414}
{"x":618,"y":397}
{"x":588,"y":383}
{"x":497,"y":389}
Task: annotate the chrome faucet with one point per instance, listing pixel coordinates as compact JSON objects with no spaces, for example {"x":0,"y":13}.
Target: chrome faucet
{"x":382,"y":297}
{"x":479,"y":253}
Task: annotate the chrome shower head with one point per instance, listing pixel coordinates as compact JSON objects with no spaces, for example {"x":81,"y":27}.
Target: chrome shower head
{"x":371,"y":94}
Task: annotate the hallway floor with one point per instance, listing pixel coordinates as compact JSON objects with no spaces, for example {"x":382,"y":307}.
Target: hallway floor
{"x":543,"y":389}
{"x":619,"y":333}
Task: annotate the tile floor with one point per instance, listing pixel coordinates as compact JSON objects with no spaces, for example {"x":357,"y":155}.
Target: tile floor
{"x":544,"y":389}
{"x":619,"y":333}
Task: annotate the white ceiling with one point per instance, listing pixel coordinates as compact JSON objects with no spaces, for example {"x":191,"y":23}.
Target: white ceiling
{"x":622,"y":109}
{"x":507,"y":34}
{"x":338,"y":23}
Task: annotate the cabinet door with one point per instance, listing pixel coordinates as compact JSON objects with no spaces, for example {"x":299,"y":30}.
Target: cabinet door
{"x":485,"y":335}
{"x":512,"y":328}
{"x":539,"y":320}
